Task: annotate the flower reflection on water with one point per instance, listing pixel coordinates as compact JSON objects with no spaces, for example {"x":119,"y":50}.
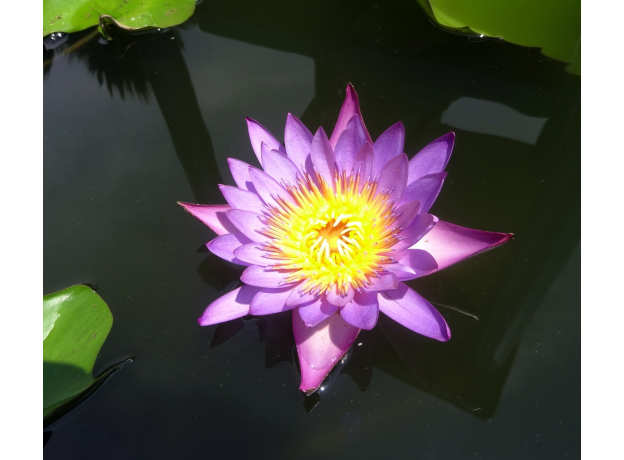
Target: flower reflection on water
{"x":332,"y":227}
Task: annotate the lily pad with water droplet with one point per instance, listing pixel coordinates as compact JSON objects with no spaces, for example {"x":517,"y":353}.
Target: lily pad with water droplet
{"x":76,"y":321}
{"x":76,"y":15}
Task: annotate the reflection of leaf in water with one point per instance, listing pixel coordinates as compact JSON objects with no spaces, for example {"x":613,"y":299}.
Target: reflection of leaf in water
{"x":552,"y":25}
{"x":77,"y":15}
{"x":114,"y":64}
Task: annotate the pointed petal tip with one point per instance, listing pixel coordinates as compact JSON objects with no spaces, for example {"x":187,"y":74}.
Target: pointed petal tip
{"x":443,"y":337}
{"x":315,"y":378}
{"x":399,"y":124}
{"x":350,"y":106}
{"x":449,"y":138}
{"x":320,"y":348}
{"x":212,"y":216}
{"x":407,"y":307}
{"x":449,"y":243}
{"x":504,"y":239}
{"x":320,"y":130}
{"x":350,"y":91}
{"x":186,"y":206}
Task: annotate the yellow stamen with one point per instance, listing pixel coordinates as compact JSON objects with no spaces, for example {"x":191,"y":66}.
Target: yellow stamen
{"x":331,"y":235}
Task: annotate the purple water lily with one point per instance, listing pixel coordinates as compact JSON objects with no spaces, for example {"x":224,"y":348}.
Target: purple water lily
{"x":331,"y":227}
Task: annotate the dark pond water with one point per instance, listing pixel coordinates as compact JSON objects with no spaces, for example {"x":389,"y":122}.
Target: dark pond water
{"x":133,"y":126}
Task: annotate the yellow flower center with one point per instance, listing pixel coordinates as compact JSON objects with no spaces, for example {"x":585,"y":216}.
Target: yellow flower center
{"x":332,"y":237}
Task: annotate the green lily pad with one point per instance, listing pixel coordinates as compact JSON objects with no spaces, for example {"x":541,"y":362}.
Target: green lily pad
{"x":76,"y":321}
{"x":76,"y":15}
{"x":552,"y":25}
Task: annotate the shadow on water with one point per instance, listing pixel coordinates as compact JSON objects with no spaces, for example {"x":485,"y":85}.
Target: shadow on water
{"x":114,"y":64}
{"x":132,"y":65}
{"x":171,"y":84}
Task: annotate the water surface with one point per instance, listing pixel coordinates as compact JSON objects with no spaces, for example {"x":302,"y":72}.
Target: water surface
{"x":131,"y":127}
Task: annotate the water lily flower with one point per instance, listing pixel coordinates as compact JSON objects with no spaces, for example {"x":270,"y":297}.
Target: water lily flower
{"x":331,"y":228}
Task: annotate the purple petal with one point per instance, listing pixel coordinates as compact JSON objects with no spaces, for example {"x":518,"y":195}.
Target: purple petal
{"x":320,"y":348}
{"x":230,"y":306}
{"x":350,"y":107}
{"x":241,"y":199}
{"x":252,"y":254}
{"x":269,"y":301}
{"x":298,"y":140}
{"x":264,"y":278}
{"x":420,"y":262}
{"x":279,"y":166}
{"x":432,"y":159}
{"x":393,"y":176}
{"x":349,"y":143}
{"x":337,"y":299}
{"x":259,"y":134}
{"x":362,"y":311}
{"x":419,"y":227}
{"x":426,"y":189}
{"x":388,"y":145}
{"x":322,"y":156}
{"x":365,"y":162}
{"x":385,"y":282}
{"x":240,"y":173}
{"x":268,"y":188}
{"x":401,"y":271}
{"x":248,"y":223}
{"x":224,"y":246}
{"x":449,"y":243}
{"x":408,"y":308}
{"x":407,"y":212}
{"x":213,"y":215}
{"x":317,"y":311}
{"x":296,"y":298}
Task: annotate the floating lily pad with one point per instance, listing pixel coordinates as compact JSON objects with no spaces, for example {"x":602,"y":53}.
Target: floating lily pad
{"x":76,"y":321}
{"x":552,"y":25}
{"x":76,"y":15}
